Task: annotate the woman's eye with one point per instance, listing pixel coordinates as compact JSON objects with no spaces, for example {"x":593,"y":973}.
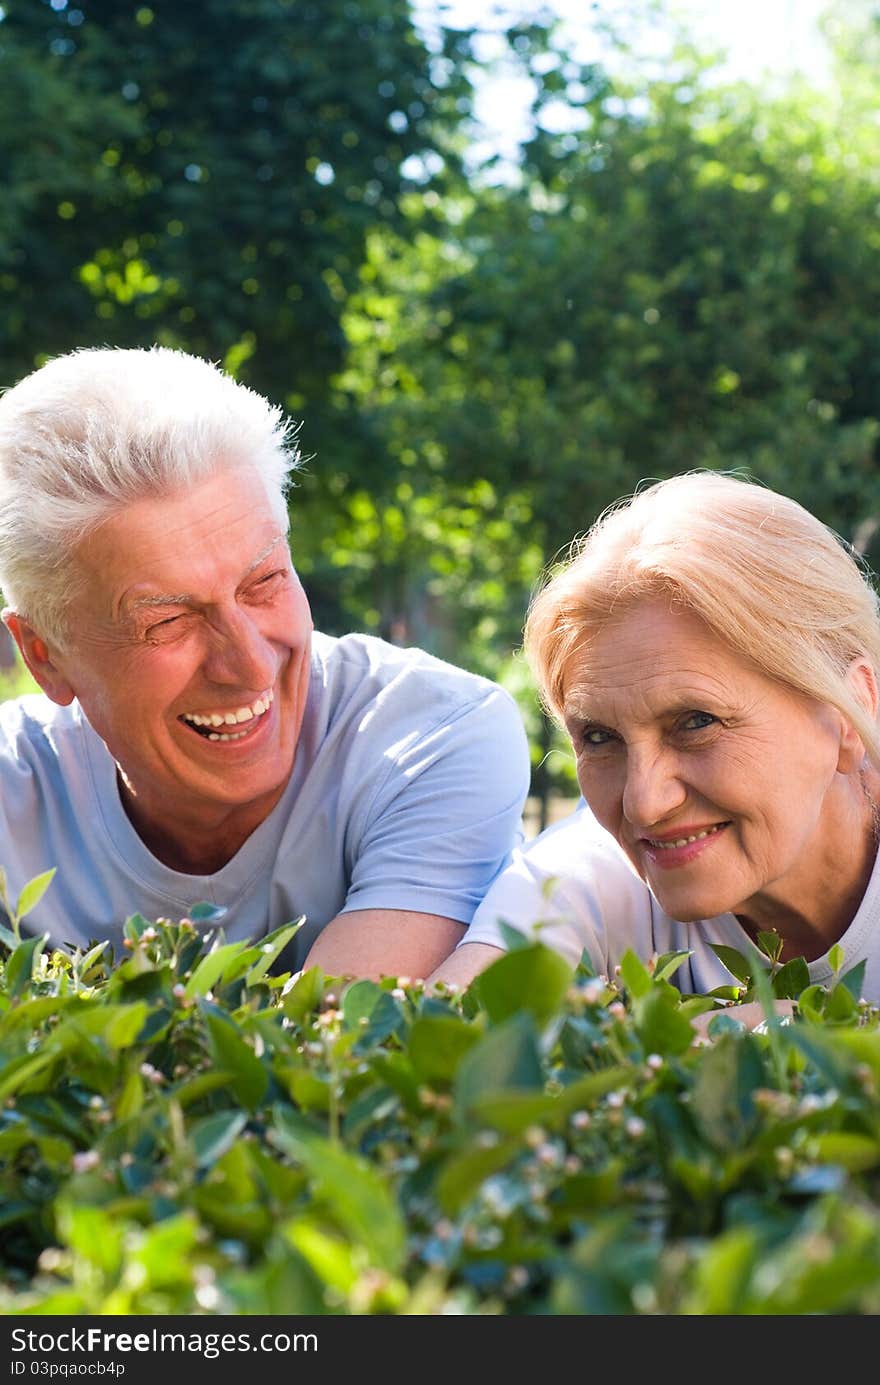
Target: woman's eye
{"x":697,"y":721}
{"x":596,"y":736}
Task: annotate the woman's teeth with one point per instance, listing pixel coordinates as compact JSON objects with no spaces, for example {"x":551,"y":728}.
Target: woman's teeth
{"x":686,"y":841}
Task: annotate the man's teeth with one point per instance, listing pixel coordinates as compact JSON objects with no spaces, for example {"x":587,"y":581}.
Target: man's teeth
{"x":685,"y":841}
{"x":233,"y":718}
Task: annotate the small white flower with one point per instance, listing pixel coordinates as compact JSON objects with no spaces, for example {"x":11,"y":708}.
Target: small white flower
{"x":85,"y":1160}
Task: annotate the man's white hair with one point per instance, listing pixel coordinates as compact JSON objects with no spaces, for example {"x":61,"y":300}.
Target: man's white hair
{"x":92,"y":431}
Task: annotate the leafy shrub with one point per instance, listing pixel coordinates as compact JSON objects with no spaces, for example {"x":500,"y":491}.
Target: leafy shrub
{"x":186,"y":1131}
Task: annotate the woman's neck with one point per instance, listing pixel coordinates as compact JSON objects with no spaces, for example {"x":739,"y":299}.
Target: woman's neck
{"x":812,"y":908}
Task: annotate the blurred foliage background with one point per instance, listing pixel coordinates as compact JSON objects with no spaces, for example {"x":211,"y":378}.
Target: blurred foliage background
{"x":682,"y":272}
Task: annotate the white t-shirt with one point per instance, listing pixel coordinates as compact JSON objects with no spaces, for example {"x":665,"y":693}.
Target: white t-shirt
{"x":406,"y":793}
{"x":575,"y":890}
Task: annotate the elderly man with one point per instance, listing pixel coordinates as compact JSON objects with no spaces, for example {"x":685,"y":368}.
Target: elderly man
{"x":196,"y":740}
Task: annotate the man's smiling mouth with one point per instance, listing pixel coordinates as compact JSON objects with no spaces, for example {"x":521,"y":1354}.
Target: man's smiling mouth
{"x":208,"y":724}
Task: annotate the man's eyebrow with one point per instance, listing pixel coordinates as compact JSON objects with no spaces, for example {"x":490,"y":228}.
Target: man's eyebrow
{"x":141,"y":603}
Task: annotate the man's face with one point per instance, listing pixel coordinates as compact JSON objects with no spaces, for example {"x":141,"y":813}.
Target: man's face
{"x":190,"y":653}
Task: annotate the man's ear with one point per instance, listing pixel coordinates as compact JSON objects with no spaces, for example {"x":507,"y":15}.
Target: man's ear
{"x":38,"y":657}
{"x":862,"y":681}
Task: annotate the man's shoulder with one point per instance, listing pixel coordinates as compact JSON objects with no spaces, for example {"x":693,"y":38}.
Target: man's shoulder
{"x":368,"y":668}
{"x":34,"y":722}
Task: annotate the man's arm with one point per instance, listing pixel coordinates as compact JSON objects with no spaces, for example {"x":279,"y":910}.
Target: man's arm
{"x":384,"y":942}
{"x":446,"y":810}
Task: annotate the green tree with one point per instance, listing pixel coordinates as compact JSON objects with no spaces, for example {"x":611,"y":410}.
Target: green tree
{"x":205,"y":175}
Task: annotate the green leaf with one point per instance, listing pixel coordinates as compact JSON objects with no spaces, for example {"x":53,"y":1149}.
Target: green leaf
{"x":211,"y":968}
{"x":791,"y":979}
{"x":854,"y":979}
{"x":385,"y":1019}
{"x":271,"y":948}
{"x":533,"y":979}
{"x":463,"y":1174}
{"x":354,"y":1193}
{"x":204,"y":912}
{"x":131,"y":1098}
{"x":669,"y":962}
{"x":165,"y":1251}
{"x":852,"y":1151}
{"x":836,"y":957}
{"x":731,"y":1070}
{"x":118,"y":1025}
{"x":437,"y":1045}
{"x":841,"y":1004}
{"x":94,"y":1235}
{"x":635,"y":974}
{"x":359,"y":1002}
{"x":33,"y":892}
{"x":212,"y":1136}
{"x":723,"y":1272}
{"x":660,"y":1025}
{"x":20,"y":967}
{"x":304,"y":995}
{"x":771,"y":945}
{"x":735,"y":962}
{"x":505,"y":1059}
{"x":513,"y":938}
{"x":248,"y":1078}
{"x":18,"y":1072}
{"x":335,"y":1262}
{"x":513,"y":1112}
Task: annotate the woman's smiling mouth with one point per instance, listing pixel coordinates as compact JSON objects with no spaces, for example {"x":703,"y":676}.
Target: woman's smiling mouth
{"x":684,"y":846}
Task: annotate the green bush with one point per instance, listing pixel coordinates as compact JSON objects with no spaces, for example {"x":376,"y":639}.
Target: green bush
{"x":189,"y":1130}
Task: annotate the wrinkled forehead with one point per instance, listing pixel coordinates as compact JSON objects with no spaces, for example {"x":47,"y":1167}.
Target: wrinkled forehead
{"x":650,"y":651}
{"x":211,"y":535}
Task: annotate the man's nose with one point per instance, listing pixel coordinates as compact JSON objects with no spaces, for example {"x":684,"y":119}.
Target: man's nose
{"x":240,"y":653}
{"x":654,"y":788}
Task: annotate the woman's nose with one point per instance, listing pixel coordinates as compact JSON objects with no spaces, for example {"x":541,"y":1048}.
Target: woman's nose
{"x":654,"y":789}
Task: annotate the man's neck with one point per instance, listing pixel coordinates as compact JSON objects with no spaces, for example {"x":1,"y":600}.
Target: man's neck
{"x":195,"y":848}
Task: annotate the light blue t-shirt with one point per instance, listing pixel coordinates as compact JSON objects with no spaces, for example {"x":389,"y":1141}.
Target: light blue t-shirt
{"x":406,"y":793}
{"x":575,"y":890}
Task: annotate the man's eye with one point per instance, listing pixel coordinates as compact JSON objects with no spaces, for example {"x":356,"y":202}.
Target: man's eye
{"x":160,"y":627}
{"x":270,"y":580}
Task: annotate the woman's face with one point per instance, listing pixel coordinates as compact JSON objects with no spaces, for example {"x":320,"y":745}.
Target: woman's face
{"x":722,"y":786}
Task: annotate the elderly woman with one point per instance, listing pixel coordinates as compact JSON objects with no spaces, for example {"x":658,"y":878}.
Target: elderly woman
{"x":713,"y":652}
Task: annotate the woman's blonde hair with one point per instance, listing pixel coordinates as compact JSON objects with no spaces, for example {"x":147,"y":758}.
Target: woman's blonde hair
{"x":768,"y":578}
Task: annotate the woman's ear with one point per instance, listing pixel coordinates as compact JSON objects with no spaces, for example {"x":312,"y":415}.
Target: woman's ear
{"x":37,"y":655}
{"x":862,"y":681}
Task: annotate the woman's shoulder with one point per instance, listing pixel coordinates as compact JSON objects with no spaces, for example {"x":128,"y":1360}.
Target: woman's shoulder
{"x":579,"y":846}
